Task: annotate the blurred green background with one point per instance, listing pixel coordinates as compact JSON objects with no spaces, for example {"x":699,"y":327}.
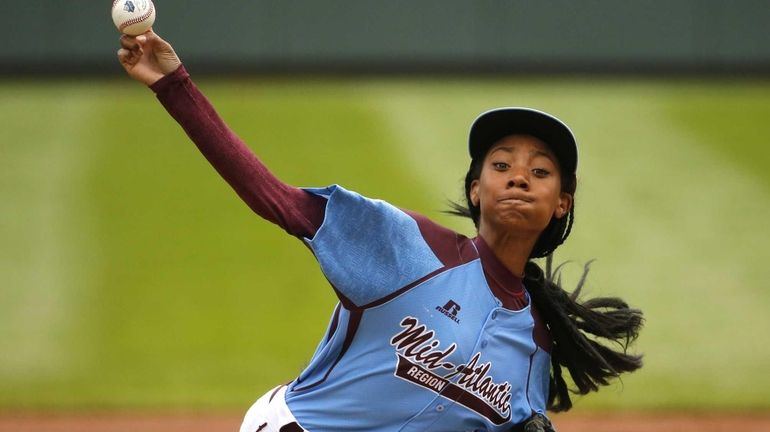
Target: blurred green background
{"x":132,"y":276}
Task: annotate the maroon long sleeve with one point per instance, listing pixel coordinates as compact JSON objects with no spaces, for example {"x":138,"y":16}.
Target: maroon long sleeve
{"x":298,"y":212}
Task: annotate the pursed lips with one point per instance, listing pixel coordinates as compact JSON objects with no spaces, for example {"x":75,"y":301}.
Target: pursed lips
{"x":515,"y":199}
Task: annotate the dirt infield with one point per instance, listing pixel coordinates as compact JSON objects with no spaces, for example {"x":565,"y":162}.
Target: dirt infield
{"x":229,"y":422}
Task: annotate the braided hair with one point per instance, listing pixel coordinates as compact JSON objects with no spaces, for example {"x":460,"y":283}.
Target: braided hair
{"x":570,"y":321}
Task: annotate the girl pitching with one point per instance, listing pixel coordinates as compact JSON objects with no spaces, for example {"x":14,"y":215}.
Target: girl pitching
{"x":434,"y":331}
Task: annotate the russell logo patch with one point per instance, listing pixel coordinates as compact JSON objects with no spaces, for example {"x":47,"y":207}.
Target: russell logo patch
{"x":450,"y":309}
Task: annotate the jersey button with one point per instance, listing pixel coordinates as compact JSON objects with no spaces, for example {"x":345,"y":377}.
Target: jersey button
{"x":494,"y":314}
{"x":484,"y":344}
{"x":439,"y":408}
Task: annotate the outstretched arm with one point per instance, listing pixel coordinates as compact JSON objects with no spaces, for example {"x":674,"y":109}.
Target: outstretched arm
{"x":149,"y":59}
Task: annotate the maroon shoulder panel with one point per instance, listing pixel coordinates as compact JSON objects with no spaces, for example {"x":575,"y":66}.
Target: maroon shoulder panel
{"x":451,"y":248}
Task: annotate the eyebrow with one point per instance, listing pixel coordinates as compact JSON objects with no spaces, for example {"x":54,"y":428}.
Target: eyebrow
{"x":506,"y":149}
{"x":542,"y":153}
{"x":531,"y":153}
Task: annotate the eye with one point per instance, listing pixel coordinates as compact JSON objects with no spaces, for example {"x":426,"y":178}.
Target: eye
{"x":541,"y":172}
{"x":500,"y":166}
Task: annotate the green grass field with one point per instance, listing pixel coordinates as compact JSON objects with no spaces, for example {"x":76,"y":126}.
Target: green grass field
{"x":132,"y":277}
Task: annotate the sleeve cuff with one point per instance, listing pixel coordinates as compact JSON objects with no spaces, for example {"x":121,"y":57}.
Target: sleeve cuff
{"x":179,"y":75}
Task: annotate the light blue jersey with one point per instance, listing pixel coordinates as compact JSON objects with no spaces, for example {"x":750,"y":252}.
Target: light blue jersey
{"x":419,"y":340}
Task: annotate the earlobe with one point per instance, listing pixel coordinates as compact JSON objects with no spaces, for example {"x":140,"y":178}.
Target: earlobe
{"x":565,"y":204}
{"x":561,"y":211}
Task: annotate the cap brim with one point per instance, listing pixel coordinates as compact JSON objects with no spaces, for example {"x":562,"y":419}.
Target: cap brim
{"x":491,"y":126}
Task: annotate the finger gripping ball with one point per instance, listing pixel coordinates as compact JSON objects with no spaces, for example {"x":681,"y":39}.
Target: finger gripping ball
{"x":133,"y":17}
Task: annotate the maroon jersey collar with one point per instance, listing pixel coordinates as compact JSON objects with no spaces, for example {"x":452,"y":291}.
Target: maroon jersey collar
{"x":501,"y":278}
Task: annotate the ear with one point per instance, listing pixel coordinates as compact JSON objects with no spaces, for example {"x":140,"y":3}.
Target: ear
{"x":564,"y":206}
{"x":475,"y":193}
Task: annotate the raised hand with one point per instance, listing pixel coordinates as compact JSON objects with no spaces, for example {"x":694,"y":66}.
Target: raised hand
{"x":147,"y":57}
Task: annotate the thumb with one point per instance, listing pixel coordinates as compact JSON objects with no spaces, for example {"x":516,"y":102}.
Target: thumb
{"x":156,"y":41}
{"x":163,"y":51}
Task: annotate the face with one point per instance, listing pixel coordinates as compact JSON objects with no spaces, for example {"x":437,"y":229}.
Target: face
{"x":519,"y":189}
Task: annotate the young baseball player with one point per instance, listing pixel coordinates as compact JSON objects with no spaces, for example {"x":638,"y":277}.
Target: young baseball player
{"x":434,"y":331}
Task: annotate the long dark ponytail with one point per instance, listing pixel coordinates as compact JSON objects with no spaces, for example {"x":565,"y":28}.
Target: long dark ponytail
{"x":570,"y":321}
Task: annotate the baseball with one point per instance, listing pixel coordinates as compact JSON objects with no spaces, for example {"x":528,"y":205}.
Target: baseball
{"x":133,"y":17}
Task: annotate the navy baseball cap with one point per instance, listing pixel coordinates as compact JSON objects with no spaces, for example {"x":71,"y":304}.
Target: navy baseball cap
{"x":492,"y":125}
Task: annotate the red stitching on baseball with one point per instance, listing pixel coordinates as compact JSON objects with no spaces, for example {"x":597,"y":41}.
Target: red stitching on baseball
{"x":137,"y":19}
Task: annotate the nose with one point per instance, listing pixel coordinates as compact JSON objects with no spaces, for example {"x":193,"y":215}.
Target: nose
{"x":518,"y":180}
